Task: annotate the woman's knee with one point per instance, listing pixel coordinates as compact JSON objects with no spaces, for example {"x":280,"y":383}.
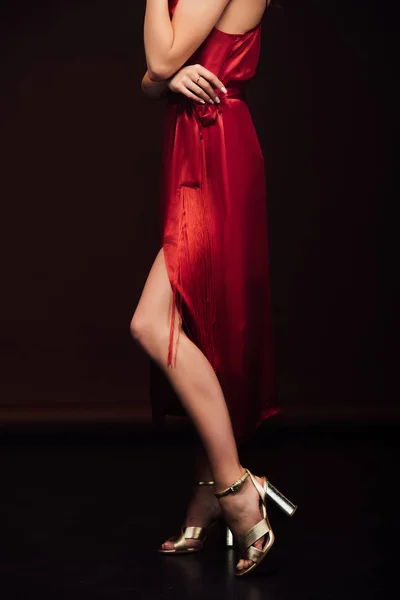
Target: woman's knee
{"x":136,"y":326}
{"x":148,"y":332}
{"x":140,"y":327}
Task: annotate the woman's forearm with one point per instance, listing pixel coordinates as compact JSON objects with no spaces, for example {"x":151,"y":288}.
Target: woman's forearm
{"x":155,"y":90}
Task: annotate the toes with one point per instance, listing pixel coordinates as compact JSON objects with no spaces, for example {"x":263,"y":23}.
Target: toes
{"x":168,"y":545}
{"x":244,"y":563}
{"x":240,"y":565}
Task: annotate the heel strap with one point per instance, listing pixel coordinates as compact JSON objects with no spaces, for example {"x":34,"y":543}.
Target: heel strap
{"x":235,"y":487}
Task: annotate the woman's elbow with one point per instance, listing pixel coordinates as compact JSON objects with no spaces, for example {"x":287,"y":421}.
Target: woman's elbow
{"x":159,"y":72}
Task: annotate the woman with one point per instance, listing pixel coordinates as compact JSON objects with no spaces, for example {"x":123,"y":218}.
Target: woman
{"x":208,"y":289}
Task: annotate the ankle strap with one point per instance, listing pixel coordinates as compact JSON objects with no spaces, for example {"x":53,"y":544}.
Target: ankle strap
{"x":235,"y":487}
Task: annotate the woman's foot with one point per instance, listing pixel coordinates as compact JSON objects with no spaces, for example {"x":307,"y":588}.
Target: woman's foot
{"x":202,"y":510}
{"x":241,"y":511}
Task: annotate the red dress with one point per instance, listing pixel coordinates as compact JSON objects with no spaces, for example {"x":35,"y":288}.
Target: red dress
{"x":214,"y":235}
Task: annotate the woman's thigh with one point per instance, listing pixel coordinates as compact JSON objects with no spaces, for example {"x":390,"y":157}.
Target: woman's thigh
{"x":153,"y":311}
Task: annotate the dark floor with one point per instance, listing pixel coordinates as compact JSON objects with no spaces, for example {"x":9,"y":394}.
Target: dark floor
{"x":83,"y":512}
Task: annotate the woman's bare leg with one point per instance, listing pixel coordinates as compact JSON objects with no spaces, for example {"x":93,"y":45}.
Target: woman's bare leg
{"x":198,"y":388}
{"x":193,"y":378}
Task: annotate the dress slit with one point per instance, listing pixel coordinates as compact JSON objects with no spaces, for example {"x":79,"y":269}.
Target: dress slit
{"x":193,"y":278}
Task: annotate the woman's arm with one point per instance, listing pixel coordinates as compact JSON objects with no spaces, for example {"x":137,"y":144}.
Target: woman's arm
{"x":155,"y":90}
{"x":168,"y":44}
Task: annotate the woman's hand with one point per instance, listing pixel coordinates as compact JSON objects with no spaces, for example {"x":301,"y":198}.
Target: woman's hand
{"x":196,"y":82}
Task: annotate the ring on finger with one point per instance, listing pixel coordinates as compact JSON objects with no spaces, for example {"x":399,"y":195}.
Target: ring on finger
{"x":197,"y":80}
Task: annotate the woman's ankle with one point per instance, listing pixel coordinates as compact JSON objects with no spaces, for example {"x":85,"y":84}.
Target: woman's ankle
{"x":229,"y":479}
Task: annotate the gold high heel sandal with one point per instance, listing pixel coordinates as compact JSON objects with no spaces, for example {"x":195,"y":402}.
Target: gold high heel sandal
{"x":263,"y":527}
{"x":190,"y":533}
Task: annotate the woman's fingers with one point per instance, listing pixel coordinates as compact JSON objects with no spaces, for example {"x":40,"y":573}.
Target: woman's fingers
{"x":210,"y":77}
{"x":202,"y":91}
{"x":182,"y":89}
{"x":208,"y":89}
{"x":198,"y":78}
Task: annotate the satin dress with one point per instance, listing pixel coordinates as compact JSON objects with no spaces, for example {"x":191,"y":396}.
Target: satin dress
{"x":213,"y":229}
